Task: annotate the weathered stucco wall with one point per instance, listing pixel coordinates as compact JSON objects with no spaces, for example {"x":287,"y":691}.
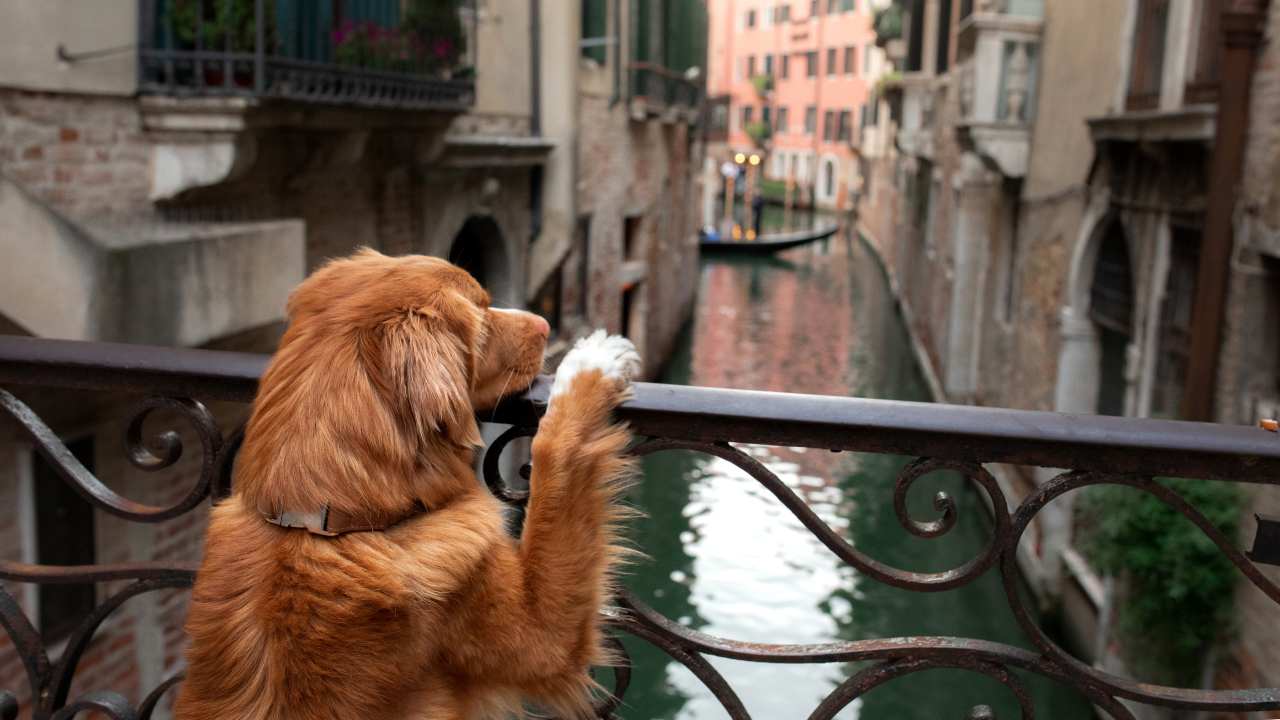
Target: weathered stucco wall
{"x":32,"y":32}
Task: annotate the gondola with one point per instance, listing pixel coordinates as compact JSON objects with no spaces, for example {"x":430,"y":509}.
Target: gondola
{"x":765,"y":244}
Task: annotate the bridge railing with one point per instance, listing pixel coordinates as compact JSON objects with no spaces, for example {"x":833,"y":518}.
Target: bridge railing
{"x":1084,"y":450}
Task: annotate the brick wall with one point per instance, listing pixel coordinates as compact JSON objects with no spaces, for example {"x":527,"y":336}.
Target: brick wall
{"x":648,"y":171}
{"x":1249,"y":364}
{"x":85,"y":155}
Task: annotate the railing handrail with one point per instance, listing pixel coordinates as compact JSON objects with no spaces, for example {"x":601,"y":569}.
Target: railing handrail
{"x":961,"y":432}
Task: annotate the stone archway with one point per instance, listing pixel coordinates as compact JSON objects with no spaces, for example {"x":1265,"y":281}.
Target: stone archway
{"x":479,"y":249}
{"x":1098,"y":323}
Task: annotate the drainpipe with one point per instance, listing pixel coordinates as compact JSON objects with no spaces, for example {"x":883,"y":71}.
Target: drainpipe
{"x":1243,"y":26}
{"x":535,"y":115}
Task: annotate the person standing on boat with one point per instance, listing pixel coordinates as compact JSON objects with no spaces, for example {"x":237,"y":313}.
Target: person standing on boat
{"x":757,"y":212}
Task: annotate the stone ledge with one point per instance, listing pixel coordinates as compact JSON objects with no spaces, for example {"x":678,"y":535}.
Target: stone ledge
{"x":142,"y":281}
{"x":1194,"y":123}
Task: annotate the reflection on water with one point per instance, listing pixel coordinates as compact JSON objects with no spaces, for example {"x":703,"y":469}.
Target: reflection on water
{"x":727,"y":559}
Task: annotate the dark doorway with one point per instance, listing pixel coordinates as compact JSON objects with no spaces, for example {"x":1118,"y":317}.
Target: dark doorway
{"x":1111,"y":309}
{"x":479,"y":249}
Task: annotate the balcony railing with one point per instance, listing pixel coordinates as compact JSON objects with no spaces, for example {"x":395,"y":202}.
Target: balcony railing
{"x":1087,"y":451}
{"x":378,"y":53}
{"x":661,"y":89}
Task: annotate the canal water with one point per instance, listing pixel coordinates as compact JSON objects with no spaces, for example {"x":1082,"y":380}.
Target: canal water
{"x":725,"y":558}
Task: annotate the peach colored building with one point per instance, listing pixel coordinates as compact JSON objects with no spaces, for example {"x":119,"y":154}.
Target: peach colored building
{"x":798,"y":74}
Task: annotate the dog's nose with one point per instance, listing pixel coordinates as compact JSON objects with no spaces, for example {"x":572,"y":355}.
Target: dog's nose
{"x":543,"y":326}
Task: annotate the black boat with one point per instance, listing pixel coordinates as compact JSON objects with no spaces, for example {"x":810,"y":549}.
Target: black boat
{"x":766,"y":244}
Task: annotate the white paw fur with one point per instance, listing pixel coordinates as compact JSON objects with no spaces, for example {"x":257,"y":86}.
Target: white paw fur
{"x":613,"y":355}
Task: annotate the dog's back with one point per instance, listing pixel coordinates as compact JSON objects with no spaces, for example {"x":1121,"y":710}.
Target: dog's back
{"x":292,"y":626}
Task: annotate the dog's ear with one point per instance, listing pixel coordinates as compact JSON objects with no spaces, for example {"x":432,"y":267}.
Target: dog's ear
{"x":424,"y":369}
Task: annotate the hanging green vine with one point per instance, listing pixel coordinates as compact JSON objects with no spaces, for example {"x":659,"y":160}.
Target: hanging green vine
{"x":1178,"y":587}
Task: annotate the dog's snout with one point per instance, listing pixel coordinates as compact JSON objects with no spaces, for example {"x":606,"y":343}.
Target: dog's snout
{"x":539,"y":323}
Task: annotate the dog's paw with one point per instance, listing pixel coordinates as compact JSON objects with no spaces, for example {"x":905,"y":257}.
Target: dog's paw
{"x":612,"y":355}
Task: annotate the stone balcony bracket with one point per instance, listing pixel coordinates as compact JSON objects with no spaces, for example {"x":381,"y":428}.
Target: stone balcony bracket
{"x":200,"y":142}
{"x":996,"y":71}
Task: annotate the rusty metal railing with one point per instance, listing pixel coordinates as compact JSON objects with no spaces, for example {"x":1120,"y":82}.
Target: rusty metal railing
{"x":1087,"y":451}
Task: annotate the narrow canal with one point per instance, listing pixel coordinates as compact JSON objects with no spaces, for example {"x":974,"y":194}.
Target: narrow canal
{"x":725,"y":558}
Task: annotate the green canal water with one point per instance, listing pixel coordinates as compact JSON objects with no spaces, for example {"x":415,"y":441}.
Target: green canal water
{"x":726,"y":558}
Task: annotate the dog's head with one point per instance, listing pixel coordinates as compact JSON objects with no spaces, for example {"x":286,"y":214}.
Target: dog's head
{"x":378,"y":378}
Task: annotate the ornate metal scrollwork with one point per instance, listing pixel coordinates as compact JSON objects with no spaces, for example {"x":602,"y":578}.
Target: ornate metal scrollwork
{"x":889,"y":658}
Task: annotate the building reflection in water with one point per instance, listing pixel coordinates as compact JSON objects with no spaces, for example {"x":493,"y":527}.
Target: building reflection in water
{"x":726,"y":558}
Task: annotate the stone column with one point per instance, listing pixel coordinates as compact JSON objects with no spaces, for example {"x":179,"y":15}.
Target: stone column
{"x":974,"y":224}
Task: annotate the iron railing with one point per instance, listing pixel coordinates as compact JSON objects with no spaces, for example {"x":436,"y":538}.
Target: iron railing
{"x":377,"y":53}
{"x":1087,"y":450}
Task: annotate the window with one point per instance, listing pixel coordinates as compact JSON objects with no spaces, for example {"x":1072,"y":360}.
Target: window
{"x":1202,"y":86}
{"x":766,"y":115}
{"x":64,"y":536}
{"x":829,"y":178}
{"x":751,"y":18}
{"x":943,"y":58}
{"x":828,"y":125}
{"x":595,"y":30}
{"x":1147,"y":59}
{"x":582,"y":304}
{"x":813,"y":8}
{"x":782,"y":120}
{"x":811,"y":63}
{"x":832,"y":6}
{"x":866,"y":59}
{"x":915,"y":37}
{"x":844,"y":129}
{"x":784,"y":13}
{"x":751,"y":66}
{"x":810,"y":120}
{"x":748,"y":114}
{"x":786,"y":66}
{"x":768,"y":64}
{"x":831,"y":61}
{"x":850,"y":60}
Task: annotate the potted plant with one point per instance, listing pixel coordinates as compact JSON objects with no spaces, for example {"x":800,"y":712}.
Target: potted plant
{"x":429,"y":40}
{"x":763,"y":84}
{"x":221,"y":26}
{"x":759,"y":132}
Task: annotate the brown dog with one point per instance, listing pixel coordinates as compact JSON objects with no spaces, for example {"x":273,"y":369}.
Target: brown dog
{"x":422,"y":606}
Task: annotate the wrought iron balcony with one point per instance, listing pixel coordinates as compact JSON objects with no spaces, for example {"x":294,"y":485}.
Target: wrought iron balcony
{"x":659,"y":91}
{"x":1087,"y":451}
{"x":375,"y":53}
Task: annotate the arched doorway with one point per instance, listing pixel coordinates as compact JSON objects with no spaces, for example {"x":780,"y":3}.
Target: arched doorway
{"x":479,"y":249}
{"x":1111,"y":312}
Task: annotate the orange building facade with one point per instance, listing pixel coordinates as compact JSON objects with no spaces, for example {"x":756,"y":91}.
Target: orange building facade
{"x":799,"y":75}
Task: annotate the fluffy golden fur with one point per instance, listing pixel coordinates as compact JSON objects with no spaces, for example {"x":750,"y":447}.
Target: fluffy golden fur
{"x":369,"y":406}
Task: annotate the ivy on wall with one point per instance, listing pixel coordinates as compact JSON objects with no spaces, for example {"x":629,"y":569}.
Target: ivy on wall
{"x":1177,"y":587}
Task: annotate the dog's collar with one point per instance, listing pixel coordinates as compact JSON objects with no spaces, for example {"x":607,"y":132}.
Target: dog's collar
{"x":330,"y":522}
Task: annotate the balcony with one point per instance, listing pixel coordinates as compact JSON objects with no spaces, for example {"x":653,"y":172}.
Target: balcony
{"x":657,"y":91}
{"x":374,"y":53}
{"x":997,"y":61}
{"x":917,"y":95}
{"x":1088,"y":452}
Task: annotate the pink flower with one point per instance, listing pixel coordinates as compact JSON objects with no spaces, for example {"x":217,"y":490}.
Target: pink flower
{"x":442,"y":48}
